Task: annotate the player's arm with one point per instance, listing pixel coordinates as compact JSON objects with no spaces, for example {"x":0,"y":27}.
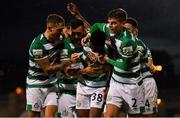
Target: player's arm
{"x":96,"y":26}
{"x":126,"y":55}
{"x":105,"y":68}
{"x":119,"y":64}
{"x":72,"y":8}
{"x":47,"y":68}
{"x":150,"y":63}
{"x":40,"y":56}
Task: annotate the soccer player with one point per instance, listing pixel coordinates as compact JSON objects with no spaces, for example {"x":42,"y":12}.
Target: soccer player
{"x":43,"y":63}
{"x":150,"y":88}
{"x":90,"y":90}
{"x":72,"y":8}
{"x":68,"y":78}
{"x":125,"y":84}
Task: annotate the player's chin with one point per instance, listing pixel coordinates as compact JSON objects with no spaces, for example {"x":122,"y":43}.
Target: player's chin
{"x":112,"y":31}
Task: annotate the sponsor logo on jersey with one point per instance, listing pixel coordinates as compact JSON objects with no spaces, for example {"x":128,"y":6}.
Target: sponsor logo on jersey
{"x":37,"y":53}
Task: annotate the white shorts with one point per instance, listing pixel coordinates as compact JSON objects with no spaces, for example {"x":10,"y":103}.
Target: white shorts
{"x":151,"y":92}
{"x":88,"y":97}
{"x":132,"y":95}
{"x":66,"y":105}
{"x":38,"y":98}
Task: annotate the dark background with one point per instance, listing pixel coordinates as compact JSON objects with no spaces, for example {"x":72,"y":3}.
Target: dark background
{"x":22,"y":20}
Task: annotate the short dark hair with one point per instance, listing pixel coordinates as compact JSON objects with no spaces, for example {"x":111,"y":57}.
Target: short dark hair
{"x":118,"y":13}
{"x":55,"y":19}
{"x":132,"y":21}
{"x":75,"y":23}
{"x":97,"y":41}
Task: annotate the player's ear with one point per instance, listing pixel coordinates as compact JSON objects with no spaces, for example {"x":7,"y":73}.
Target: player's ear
{"x":136,"y":31}
{"x":49,"y":27}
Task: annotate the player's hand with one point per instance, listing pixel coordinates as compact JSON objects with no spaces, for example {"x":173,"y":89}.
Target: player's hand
{"x":85,"y":40}
{"x":70,"y":72}
{"x":108,"y":42}
{"x":104,"y":58}
{"x":89,"y":70}
{"x":152,"y":68}
{"x":67,"y":71}
{"x":155,"y":68}
{"x":71,"y":7}
{"x":75,"y":57}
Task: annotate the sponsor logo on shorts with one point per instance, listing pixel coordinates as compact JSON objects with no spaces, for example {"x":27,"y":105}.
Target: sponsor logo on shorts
{"x":148,"y":109}
{"x":135,"y":108}
{"x":36,"y":105}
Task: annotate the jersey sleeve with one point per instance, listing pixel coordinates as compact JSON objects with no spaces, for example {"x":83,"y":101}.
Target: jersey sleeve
{"x":149,"y":53}
{"x":98,"y":26}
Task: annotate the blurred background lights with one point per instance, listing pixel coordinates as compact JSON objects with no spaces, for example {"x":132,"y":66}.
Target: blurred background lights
{"x":19,"y":91}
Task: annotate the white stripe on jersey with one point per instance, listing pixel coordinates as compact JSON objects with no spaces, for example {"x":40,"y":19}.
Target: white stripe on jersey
{"x":48,"y":46}
{"x":126,"y":80}
{"x":33,"y":64}
{"x":38,"y":82}
{"x":33,"y":73}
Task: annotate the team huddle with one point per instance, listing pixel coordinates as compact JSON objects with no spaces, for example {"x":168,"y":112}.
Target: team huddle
{"x":78,"y":70}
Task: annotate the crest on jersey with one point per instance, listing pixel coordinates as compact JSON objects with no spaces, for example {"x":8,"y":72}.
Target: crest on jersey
{"x":64,"y":52}
{"x":128,"y":51}
{"x":36,"y":105}
{"x":37,"y":53}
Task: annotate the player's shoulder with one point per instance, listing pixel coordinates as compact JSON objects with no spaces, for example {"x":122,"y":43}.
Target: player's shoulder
{"x":38,"y":41}
{"x":126,"y":35}
{"x":140,"y":43}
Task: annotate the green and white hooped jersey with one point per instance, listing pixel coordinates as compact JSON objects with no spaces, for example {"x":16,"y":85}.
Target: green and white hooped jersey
{"x":144,"y":52}
{"x":68,"y":84}
{"x":40,"y":49}
{"x":127,"y":49}
{"x":95,"y":80}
